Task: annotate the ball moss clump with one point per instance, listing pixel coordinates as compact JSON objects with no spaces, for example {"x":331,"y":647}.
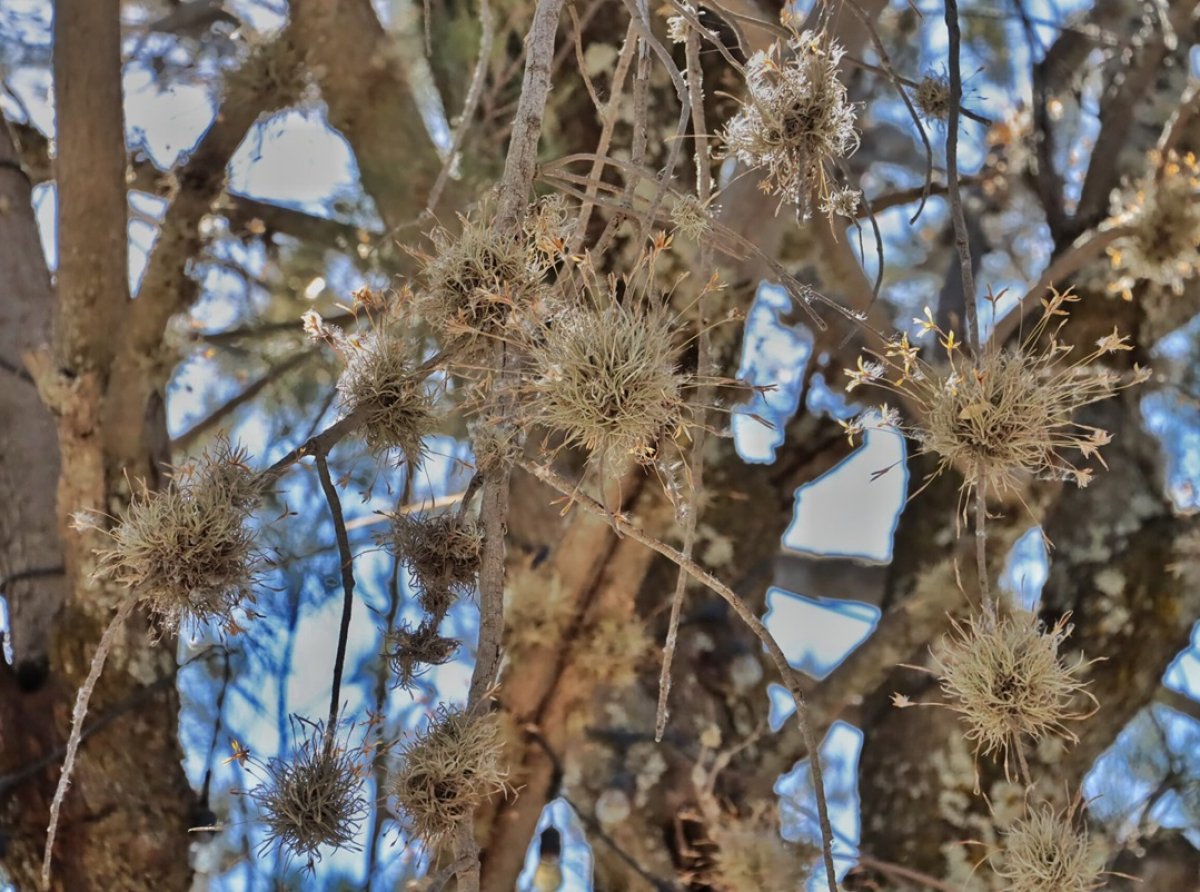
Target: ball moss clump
{"x":189,"y":552}
{"x":932,"y":97}
{"x":378,"y":382}
{"x":1005,"y":678}
{"x":446,"y":772}
{"x":474,"y":282}
{"x":443,"y":553}
{"x":1045,"y":851}
{"x":312,"y":800}
{"x":605,"y":376}
{"x":410,"y":652}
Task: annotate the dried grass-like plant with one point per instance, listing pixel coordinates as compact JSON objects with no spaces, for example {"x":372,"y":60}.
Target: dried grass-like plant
{"x":188,"y":551}
{"x":312,"y":799}
{"x":1164,"y":213}
{"x":1005,"y":678}
{"x":442,"y":551}
{"x":474,"y":282}
{"x":796,"y":116}
{"x":1008,"y":415}
{"x":410,"y":652}
{"x":447,"y":771}
{"x":1047,"y":850}
{"x":604,"y":373}
{"x":932,"y":97}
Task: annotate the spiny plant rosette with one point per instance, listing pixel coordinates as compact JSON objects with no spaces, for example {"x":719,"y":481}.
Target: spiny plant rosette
{"x":188,"y":551}
{"x":1005,"y":678}
{"x":312,"y":800}
{"x":751,"y":854}
{"x":1048,"y":851}
{"x":931,"y":96}
{"x":796,"y":116}
{"x":1163,"y":210}
{"x":475,"y":284}
{"x":378,"y":380}
{"x":1008,"y":415}
{"x":604,"y":372}
{"x":446,"y":772}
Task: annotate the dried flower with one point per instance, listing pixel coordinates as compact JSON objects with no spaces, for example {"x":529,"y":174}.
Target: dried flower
{"x":1008,"y":414}
{"x":604,"y":373}
{"x":1164,"y":213}
{"x":796,"y":116}
{"x":313,"y":799}
{"x":690,"y":217}
{"x":442,"y":552}
{"x":842,"y":202}
{"x":1046,"y":851}
{"x":447,"y":771}
{"x":188,"y":551}
{"x":1005,"y":678}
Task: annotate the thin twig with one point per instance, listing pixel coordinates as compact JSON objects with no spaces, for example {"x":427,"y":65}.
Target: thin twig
{"x":962,"y":241}
{"x":347,"y":560}
{"x":789,"y":675}
{"x":695,"y":79}
{"x":77,"y":715}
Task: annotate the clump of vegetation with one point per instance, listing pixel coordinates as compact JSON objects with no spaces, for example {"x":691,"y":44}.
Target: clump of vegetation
{"x":1008,"y":415}
{"x":604,"y":373}
{"x":446,"y":772}
{"x":379,"y":381}
{"x":442,"y":551}
{"x":312,"y":800}
{"x":474,"y":282}
{"x":610,"y":649}
{"x":188,"y":552}
{"x":752,"y":855}
{"x":1005,"y":678}
{"x":796,"y":116}
{"x":1164,"y":214}
{"x":536,"y":612}
{"x":410,"y":652}
{"x":1045,"y":851}
{"x":932,"y":97}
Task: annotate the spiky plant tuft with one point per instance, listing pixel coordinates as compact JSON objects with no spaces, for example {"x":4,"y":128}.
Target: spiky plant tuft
{"x":378,"y":380}
{"x":474,"y":282}
{"x":312,"y":800}
{"x":1047,"y":850}
{"x":751,"y":854}
{"x":796,"y":116}
{"x":441,"y":550}
{"x":410,"y":652}
{"x":188,"y":551}
{"x":604,"y":373}
{"x":1006,"y":679}
{"x":446,"y":772}
{"x":1007,"y":416}
{"x":1163,"y":211}
{"x":932,"y":97}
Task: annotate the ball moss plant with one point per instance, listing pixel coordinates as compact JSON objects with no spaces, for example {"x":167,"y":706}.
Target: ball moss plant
{"x":1049,"y":850}
{"x":796,"y":117}
{"x":410,"y":652}
{"x":442,"y":550}
{"x":1005,"y":678}
{"x":604,"y":372}
{"x":446,"y":772}
{"x":312,"y":800}
{"x":932,"y":97}
{"x":188,"y":552}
